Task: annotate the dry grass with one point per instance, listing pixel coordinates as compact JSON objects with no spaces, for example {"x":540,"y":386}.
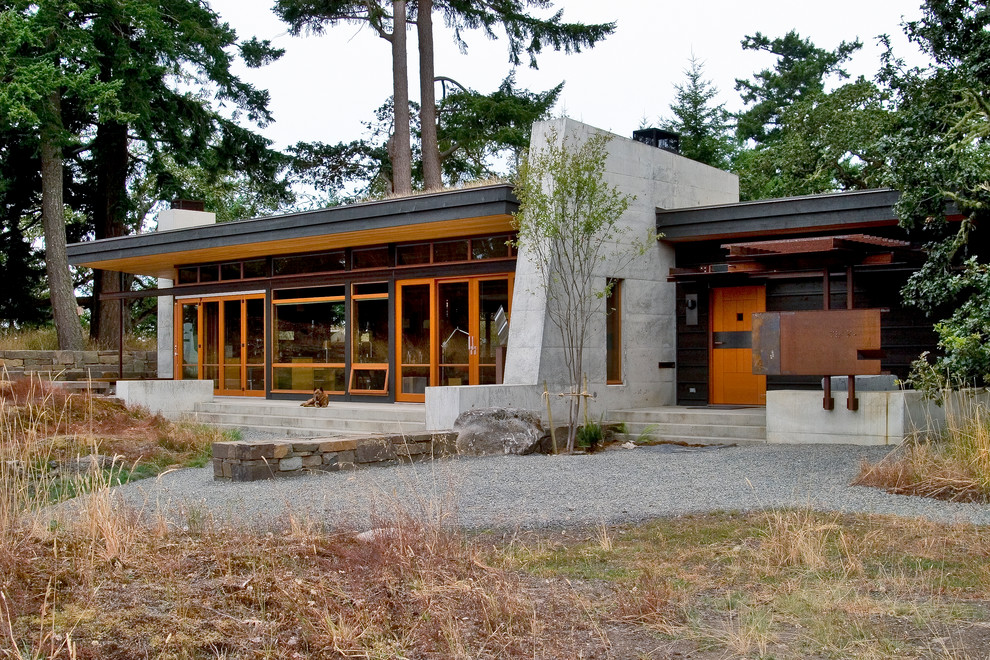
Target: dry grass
{"x":46,"y":428}
{"x":45,"y":339}
{"x":954,"y":466}
{"x":98,"y":580}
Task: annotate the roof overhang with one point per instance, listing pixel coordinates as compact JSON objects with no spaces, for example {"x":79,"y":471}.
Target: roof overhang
{"x":447,"y":214}
{"x":773,"y":217}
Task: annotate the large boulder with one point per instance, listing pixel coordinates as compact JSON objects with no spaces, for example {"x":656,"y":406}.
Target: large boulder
{"x":486,"y":431}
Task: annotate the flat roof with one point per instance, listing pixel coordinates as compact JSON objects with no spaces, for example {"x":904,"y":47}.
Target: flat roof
{"x":485,"y":209}
{"x":786,"y":215}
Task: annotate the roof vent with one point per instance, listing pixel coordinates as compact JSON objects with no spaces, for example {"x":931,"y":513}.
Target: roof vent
{"x":188,"y":205}
{"x":659,"y":138}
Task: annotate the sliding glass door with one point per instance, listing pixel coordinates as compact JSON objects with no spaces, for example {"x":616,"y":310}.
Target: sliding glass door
{"x":222,"y":340}
{"x":450,"y":332}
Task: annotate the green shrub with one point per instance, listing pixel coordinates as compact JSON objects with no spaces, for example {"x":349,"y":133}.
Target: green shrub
{"x":590,"y":436}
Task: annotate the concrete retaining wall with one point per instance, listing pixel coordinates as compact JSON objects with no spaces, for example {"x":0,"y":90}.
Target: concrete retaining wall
{"x":79,"y":365}
{"x":883,"y":418}
{"x":171,"y":398}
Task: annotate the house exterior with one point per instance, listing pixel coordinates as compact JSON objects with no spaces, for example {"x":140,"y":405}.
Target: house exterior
{"x":424,"y":298}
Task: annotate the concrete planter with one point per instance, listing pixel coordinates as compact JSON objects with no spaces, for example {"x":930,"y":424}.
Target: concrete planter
{"x":883,"y":418}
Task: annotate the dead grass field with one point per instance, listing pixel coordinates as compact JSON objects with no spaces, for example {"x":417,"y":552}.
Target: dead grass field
{"x":99,"y":581}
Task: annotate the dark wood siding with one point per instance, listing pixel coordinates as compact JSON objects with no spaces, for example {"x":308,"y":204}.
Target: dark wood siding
{"x":692,"y":347}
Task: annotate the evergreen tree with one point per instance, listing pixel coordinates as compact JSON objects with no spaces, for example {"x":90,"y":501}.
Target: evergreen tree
{"x":523,"y":31}
{"x":939,"y":153}
{"x":47,"y":66}
{"x":703,"y":124}
{"x":799,"y":74}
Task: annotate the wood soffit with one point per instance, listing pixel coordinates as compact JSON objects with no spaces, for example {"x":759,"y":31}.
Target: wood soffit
{"x":424,"y":217}
{"x":163,"y":264}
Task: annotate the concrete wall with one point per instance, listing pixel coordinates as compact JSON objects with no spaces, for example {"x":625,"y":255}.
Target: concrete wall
{"x":658,"y":179}
{"x":171,"y":398}
{"x":883,"y":418}
{"x":167,"y":220}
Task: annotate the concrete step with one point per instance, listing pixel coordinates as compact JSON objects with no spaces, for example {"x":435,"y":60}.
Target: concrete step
{"x":687,"y":440}
{"x":707,"y":416}
{"x":733,"y":431}
{"x":324,"y":423}
{"x":384,"y":413}
{"x":693,"y":425}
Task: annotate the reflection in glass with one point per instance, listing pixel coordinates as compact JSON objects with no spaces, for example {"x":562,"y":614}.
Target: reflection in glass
{"x":492,"y":247}
{"x":412,"y":254}
{"x":232,"y":344}
{"x":453,"y":332}
{"x":309,"y":332}
{"x":310,"y":263}
{"x":211,"y":342}
{"x":230,"y":271}
{"x":376,"y":257}
{"x":370,"y":331}
{"x":450,"y":251}
{"x":331,"y":379}
{"x":493,"y":295}
{"x":368,"y":379}
{"x":190,"y":340}
{"x":255,"y":339}
{"x":414,"y":339}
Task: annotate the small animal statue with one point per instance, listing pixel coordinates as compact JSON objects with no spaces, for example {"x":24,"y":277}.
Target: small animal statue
{"x":320,"y":399}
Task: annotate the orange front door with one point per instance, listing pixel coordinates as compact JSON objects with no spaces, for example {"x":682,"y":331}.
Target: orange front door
{"x":732,"y":379}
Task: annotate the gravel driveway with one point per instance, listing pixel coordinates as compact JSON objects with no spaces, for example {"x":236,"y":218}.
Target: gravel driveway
{"x":551,"y":491}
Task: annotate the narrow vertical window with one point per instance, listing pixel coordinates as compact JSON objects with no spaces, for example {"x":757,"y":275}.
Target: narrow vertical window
{"x":613,"y":332}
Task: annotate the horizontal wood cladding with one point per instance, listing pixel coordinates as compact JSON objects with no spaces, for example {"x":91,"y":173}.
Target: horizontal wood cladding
{"x":149,"y":260}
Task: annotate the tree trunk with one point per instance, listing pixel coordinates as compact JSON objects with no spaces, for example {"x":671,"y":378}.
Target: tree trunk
{"x":109,"y":220}
{"x":427,"y":93}
{"x":64,"y":308}
{"x":401,"y":151}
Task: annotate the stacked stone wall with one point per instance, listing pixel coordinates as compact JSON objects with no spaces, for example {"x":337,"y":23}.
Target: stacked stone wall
{"x":78,"y":365}
{"x":255,"y":460}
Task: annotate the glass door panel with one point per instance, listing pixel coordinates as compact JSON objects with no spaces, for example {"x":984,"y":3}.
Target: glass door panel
{"x":254,"y":341}
{"x":493,"y":326}
{"x":223,"y":340}
{"x":211,"y":342}
{"x":233,"y":367}
{"x":190,"y":341}
{"x":415,"y":348}
{"x":456,"y":344}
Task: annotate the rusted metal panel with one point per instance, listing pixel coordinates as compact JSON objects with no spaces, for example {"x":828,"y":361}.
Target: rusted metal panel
{"x":816,"y":343}
{"x":766,"y":343}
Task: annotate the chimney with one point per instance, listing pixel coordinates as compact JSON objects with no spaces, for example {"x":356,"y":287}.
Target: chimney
{"x":185,"y":213}
{"x":659,"y":138}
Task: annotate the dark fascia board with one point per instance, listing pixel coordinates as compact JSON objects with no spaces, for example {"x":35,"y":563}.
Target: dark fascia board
{"x":779,"y":216}
{"x":431,"y":207}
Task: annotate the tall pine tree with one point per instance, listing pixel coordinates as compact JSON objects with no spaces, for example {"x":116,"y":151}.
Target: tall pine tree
{"x":703,"y":124}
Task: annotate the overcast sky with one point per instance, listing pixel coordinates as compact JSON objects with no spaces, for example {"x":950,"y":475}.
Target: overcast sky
{"x":326,"y":86}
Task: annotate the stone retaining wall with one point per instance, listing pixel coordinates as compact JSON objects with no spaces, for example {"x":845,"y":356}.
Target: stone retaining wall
{"x":252,"y":461}
{"x":78,"y":365}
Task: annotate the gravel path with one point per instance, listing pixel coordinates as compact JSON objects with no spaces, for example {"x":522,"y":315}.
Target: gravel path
{"x":550,"y":491}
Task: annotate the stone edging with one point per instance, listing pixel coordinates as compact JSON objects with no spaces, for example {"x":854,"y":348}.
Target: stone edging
{"x":268,"y":459}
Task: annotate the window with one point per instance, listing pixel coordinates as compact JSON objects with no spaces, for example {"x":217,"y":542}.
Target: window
{"x":370,"y":332}
{"x":308,"y":340}
{"x":613,"y":332}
